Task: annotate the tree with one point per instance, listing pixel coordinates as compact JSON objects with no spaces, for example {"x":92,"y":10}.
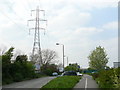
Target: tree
{"x":48,"y":56}
{"x":34,"y":58}
{"x":16,"y":53}
{"x":21,"y":58}
{"x":72,"y":67}
{"x":60,"y":65}
{"x":6,"y":66}
{"x":98,"y":58}
{"x":24,"y":67}
{"x":49,"y":69}
{"x":18,"y":70}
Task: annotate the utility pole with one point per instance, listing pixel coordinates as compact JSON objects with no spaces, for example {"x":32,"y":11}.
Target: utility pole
{"x":67,"y":61}
{"x":36,"y":45}
{"x":63,"y":56}
{"x":63,"y":52}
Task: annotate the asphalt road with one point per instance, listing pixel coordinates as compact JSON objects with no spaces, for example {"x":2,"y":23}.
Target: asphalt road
{"x":86,"y":82}
{"x":34,"y":83}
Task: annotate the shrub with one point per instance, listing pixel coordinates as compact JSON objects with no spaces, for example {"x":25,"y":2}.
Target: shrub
{"x":108,"y":78}
{"x":95,"y":75}
{"x":19,"y":70}
{"x":48,"y":69}
{"x":117,"y":78}
{"x":18,"y":77}
{"x":6,"y":79}
{"x":105,"y":79}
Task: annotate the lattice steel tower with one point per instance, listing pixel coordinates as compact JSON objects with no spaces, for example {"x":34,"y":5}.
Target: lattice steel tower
{"x":36,"y":51}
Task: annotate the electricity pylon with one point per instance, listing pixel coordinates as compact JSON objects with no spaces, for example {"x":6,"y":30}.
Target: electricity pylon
{"x":36,"y":51}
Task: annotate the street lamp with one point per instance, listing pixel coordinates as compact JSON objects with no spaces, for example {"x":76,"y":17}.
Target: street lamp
{"x":67,"y":61}
{"x":63,"y":53}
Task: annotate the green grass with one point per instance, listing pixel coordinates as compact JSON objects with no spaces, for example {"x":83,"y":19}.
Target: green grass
{"x":63,"y":82}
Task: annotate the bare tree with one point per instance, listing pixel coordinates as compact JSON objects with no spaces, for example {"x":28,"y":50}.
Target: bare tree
{"x":34,"y":58}
{"x":48,"y":56}
{"x":60,"y":65}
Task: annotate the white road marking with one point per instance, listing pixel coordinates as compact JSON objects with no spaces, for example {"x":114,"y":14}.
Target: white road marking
{"x":86,"y":84}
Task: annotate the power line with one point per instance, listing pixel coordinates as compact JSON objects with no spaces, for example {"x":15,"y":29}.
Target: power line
{"x":10,"y":19}
{"x":10,"y":6}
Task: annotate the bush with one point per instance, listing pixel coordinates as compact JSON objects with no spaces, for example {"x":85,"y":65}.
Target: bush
{"x":19,"y":70}
{"x":49,"y":69}
{"x":117,"y":78}
{"x":108,"y":78}
{"x":38,"y":75}
{"x":48,"y":72}
{"x":95,"y":75}
{"x":6,"y":79}
{"x":105,"y":79}
{"x":18,"y":77}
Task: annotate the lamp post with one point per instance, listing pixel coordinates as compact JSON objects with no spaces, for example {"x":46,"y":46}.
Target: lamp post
{"x":63,"y":53}
{"x":67,"y":61}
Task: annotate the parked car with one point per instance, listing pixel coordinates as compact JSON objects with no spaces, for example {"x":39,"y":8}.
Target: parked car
{"x":79,"y":74}
{"x":55,"y":74}
{"x":69,"y":73}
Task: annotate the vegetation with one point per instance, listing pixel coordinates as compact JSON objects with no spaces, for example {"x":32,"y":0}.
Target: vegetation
{"x":19,"y":70}
{"x":108,"y":78}
{"x":48,"y":57}
{"x":72,"y":67}
{"x":63,"y":82}
{"x":49,"y":69}
{"x":47,"y":62}
{"x":98,"y":59}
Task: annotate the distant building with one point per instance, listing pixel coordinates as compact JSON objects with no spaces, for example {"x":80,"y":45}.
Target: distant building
{"x":116,"y":64}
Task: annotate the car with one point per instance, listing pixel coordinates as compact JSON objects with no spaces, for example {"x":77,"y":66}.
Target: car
{"x":69,"y":73}
{"x":55,"y":74}
{"x":79,"y":74}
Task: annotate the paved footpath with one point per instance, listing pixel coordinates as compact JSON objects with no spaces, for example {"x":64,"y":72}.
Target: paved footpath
{"x":86,"y":82}
{"x":34,"y":83}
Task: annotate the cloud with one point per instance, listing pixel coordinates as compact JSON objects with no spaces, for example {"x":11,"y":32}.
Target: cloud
{"x":69,"y":19}
{"x":87,"y":31}
{"x":81,"y":4}
{"x":111,"y":26}
{"x":80,"y":42}
{"x":67,"y":23}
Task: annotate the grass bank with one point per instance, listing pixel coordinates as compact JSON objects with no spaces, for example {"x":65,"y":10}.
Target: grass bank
{"x":63,"y":82}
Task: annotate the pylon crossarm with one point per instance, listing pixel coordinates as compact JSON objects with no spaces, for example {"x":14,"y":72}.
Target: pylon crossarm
{"x":36,"y":27}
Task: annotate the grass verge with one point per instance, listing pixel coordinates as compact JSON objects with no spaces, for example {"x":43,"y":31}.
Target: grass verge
{"x":63,"y":82}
